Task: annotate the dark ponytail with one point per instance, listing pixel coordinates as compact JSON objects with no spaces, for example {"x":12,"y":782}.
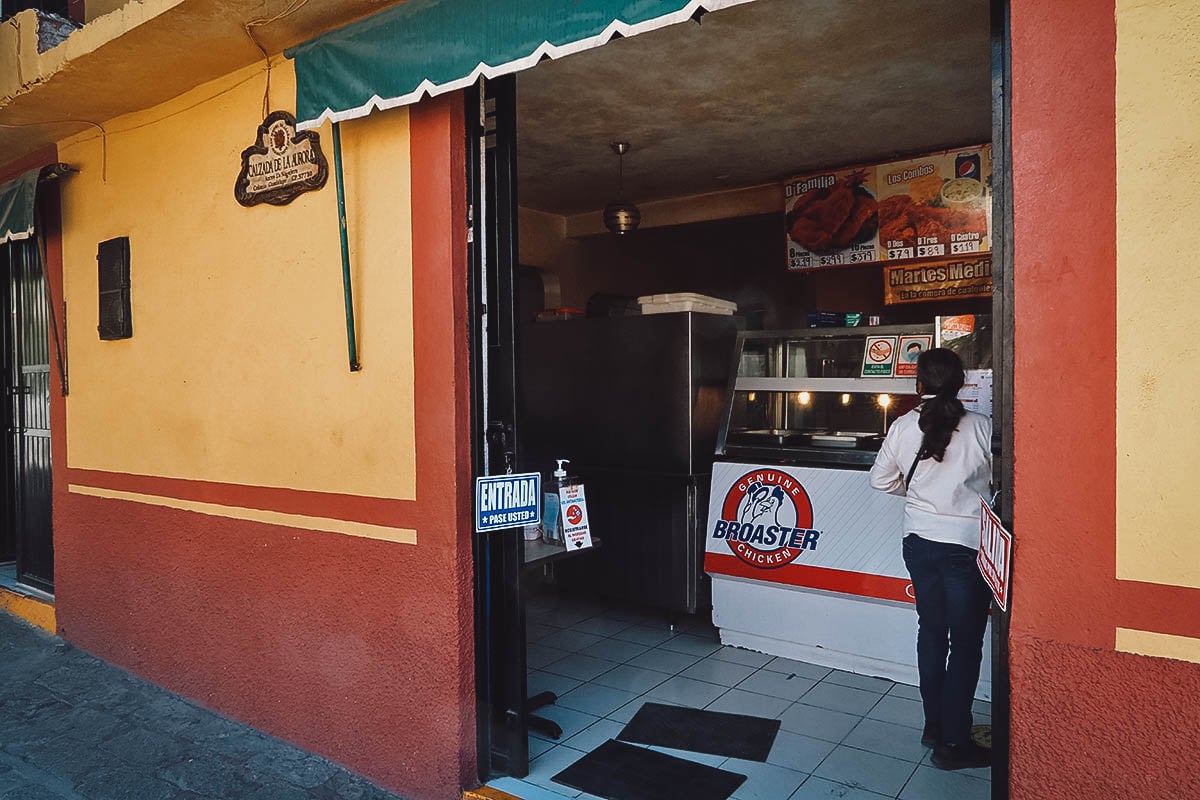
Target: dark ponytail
{"x":940,"y":373}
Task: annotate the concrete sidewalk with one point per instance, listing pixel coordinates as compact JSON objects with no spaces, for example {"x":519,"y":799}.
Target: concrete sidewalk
{"x":75,"y":728}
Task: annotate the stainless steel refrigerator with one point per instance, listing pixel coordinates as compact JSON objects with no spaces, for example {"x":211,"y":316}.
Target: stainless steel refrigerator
{"x":634,"y":403}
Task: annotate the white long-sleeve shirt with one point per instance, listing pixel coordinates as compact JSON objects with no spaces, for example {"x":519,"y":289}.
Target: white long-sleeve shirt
{"x":942,"y":500}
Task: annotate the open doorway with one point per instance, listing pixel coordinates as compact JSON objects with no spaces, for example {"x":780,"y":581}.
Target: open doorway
{"x":26,"y":541}
{"x":730,"y":122}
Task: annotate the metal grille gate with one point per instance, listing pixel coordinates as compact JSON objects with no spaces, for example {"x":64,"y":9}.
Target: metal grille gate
{"x":27,"y":389}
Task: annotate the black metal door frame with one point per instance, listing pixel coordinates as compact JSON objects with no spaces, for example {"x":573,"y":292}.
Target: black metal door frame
{"x":1002,"y":363}
{"x":8,"y":521}
{"x":503,"y":747}
{"x":28,"y":487}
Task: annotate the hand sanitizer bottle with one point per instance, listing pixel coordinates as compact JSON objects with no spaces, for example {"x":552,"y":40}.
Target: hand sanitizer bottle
{"x":552,"y":525}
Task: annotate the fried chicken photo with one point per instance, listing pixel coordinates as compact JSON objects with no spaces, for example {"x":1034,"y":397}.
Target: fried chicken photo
{"x":901,"y":221}
{"x":835,"y":217}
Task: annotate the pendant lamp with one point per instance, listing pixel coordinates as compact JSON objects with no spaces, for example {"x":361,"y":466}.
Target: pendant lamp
{"x":621,"y":216}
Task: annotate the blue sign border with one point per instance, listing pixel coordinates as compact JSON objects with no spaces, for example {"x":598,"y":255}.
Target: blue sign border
{"x":503,"y":522}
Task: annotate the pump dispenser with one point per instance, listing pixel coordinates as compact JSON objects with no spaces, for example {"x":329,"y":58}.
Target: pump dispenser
{"x":553,"y":533}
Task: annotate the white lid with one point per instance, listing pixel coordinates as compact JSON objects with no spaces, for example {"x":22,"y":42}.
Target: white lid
{"x":561,"y":472}
{"x":677,"y":297}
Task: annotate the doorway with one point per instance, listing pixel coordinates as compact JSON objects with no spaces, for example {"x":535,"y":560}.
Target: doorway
{"x":578,"y":621}
{"x":27,"y":524}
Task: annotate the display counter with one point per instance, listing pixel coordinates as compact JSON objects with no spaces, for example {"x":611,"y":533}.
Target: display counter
{"x":805,"y":558}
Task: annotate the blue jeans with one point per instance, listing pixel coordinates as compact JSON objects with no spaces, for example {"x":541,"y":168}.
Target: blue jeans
{"x":952,"y":612}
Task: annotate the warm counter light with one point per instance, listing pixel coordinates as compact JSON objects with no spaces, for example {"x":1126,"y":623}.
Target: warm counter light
{"x":805,"y":398}
{"x":845,"y":399}
{"x":884,"y":400}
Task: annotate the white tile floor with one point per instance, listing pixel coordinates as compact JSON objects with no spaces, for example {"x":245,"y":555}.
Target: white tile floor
{"x":842,"y":735}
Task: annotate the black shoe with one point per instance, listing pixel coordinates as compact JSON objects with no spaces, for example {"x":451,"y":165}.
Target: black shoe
{"x":963,"y":756}
{"x":930,"y":736}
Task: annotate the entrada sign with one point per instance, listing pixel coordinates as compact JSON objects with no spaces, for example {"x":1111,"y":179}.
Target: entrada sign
{"x":507,"y":501}
{"x":281,"y":164}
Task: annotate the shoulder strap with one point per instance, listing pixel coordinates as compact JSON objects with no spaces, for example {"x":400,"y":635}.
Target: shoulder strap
{"x":912,"y":469}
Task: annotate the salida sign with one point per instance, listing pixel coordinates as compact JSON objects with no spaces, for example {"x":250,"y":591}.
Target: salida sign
{"x":766,"y":519}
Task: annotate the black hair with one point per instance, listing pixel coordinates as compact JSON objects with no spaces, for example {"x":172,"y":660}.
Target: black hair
{"x":940,"y":372}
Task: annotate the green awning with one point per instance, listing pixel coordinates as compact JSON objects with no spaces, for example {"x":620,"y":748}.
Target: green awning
{"x":16,"y":206}
{"x":429,"y":47}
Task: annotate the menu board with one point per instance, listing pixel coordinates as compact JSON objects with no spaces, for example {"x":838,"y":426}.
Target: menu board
{"x":935,"y":206}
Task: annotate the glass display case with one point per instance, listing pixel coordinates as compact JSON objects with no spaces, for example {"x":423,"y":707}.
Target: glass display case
{"x":800,"y":396}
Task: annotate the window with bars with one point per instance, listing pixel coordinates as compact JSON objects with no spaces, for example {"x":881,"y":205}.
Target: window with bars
{"x":116,"y":321}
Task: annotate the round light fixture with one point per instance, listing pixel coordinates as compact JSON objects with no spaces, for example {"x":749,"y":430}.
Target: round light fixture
{"x":621,"y":216}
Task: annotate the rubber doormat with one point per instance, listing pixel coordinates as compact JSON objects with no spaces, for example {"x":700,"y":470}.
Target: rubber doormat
{"x":620,"y":771}
{"x":715,"y":732}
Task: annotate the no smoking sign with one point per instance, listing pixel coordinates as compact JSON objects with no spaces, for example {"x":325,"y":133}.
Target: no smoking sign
{"x":879,"y":357}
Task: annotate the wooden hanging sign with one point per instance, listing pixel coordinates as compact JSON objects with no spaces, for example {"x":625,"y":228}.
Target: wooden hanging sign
{"x":282,"y":164}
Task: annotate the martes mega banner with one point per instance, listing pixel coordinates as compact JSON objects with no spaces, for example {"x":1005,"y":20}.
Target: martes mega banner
{"x":932,"y":207}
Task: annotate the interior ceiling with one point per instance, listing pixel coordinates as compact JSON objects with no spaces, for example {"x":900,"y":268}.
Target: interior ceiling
{"x":753,"y":94}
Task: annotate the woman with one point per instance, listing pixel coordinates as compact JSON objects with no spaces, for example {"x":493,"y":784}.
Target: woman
{"x":939,"y":458}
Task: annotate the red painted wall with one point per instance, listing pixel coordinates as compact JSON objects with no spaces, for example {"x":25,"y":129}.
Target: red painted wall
{"x":1087,"y":721}
{"x":357,"y":649}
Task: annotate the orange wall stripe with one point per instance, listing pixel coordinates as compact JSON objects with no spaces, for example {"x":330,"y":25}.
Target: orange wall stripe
{"x":1065,"y":306}
{"x":441,"y":353}
{"x":1158,"y":608}
{"x":352,"y":508}
{"x":38,"y":158}
{"x":303,"y":522}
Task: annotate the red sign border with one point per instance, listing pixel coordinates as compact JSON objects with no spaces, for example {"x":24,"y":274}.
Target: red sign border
{"x":987,"y":567}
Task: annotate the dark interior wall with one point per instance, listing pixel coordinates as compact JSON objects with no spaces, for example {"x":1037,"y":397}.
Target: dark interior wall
{"x":740,"y":259}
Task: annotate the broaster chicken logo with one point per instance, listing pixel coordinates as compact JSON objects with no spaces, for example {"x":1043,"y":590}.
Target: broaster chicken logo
{"x":767,"y":519}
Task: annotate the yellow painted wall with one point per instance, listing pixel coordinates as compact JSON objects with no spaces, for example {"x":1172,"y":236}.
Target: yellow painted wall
{"x":1158,"y":292}
{"x":237,"y":369}
{"x":98,"y":8}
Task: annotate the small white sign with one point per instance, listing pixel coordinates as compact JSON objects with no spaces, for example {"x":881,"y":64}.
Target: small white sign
{"x":976,"y":394}
{"x":995,"y":553}
{"x":576,"y":533}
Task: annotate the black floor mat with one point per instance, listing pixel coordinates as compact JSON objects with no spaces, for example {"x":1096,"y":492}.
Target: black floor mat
{"x":620,"y":771}
{"x":720,"y":734}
